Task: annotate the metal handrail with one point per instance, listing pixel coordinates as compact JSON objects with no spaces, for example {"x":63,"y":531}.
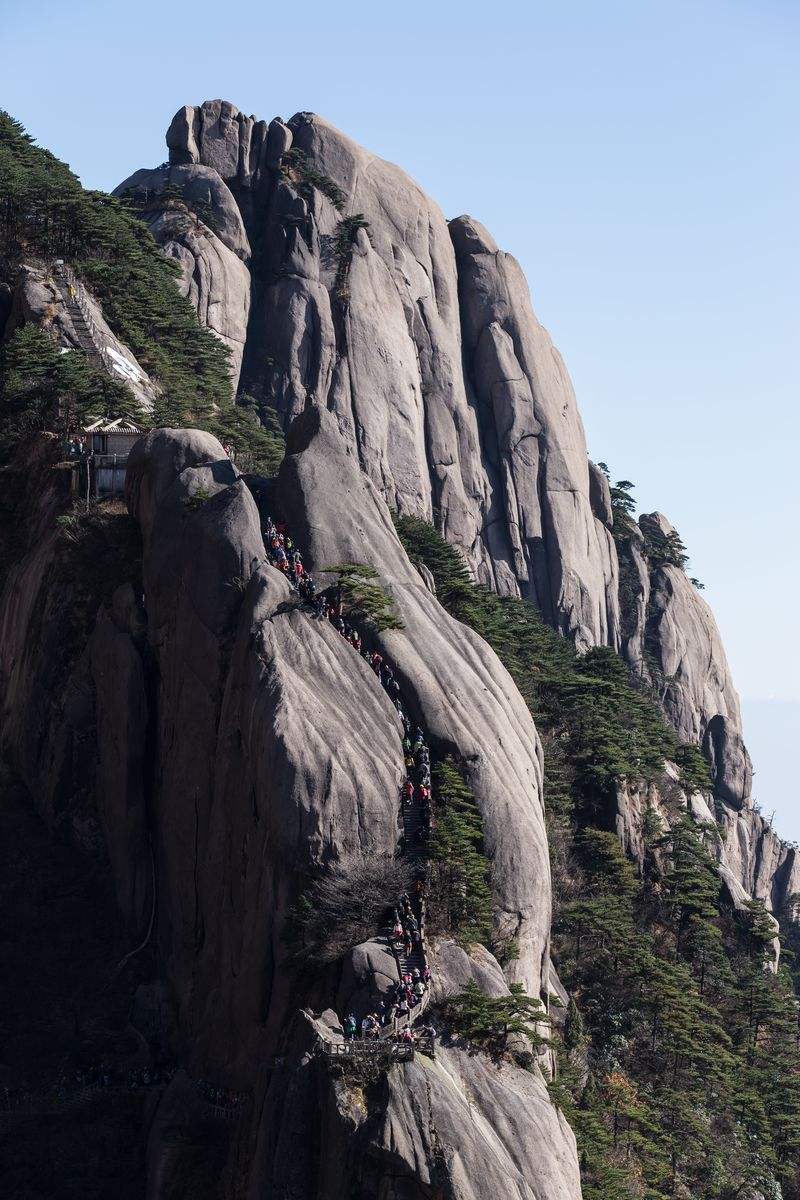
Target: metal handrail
{"x":377,"y":1048}
{"x":366,"y":1048}
{"x":82,"y":301}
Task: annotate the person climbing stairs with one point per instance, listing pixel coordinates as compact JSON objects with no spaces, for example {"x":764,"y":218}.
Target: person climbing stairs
{"x":409,"y":951}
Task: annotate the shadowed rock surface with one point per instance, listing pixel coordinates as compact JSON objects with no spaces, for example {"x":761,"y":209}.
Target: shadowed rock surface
{"x":694,"y":678}
{"x":290,"y":757}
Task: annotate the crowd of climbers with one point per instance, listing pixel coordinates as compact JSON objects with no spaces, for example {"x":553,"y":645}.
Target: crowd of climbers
{"x":218,"y":1096}
{"x":72,"y":1084}
{"x":395,"y":1012}
{"x":399,"y":1003}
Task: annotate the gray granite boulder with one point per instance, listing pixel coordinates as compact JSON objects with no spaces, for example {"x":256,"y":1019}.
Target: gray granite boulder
{"x":202,"y":189}
{"x":209,"y":242}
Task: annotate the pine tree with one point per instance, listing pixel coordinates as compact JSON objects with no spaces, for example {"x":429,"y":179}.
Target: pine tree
{"x":460,"y":901}
{"x":364,"y":597}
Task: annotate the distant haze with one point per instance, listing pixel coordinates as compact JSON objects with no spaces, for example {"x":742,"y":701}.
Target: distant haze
{"x":640,"y":161}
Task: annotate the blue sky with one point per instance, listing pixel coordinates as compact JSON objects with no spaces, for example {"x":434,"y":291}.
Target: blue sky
{"x":640,"y":159}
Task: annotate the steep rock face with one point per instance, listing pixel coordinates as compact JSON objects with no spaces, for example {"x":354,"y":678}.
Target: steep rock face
{"x":737,"y":853}
{"x":203,"y":190}
{"x":768,"y":867}
{"x":74,"y":711}
{"x":460,"y":1124}
{"x":420,"y":338}
{"x":531,"y":421}
{"x":697,"y":690}
{"x":454,"y":683}
{"x":276,"y":752}
{"x":634,"y":594}
{"x":220,"y":136}
{"x":484,"y":438}
{"x":671,"y":640}
{"x":39,"y":298}
{"x":121,"y":708}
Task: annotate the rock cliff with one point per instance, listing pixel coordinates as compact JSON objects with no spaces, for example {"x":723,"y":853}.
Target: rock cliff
{"x":343,"y":284}
{"x":236,"y":743}
{"x":337,"y":281}
{"x":691,"y":670}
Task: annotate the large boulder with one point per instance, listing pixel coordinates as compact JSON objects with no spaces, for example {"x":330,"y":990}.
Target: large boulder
{"x":217,"y":135}
{"x":205,"y":234}
{"x":201,"y":189}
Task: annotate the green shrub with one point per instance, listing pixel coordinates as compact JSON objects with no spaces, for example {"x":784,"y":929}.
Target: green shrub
{"x":346,"y":232}
{"x":492,"y":1023}
{"x":694,"y":768}
{"x":41,"y":388}
{"x":258,"y":445}
{"x":298,"y":170}
{"x":197,"y":499}
{"x":364,"y":597}
{"x":460,"y":899}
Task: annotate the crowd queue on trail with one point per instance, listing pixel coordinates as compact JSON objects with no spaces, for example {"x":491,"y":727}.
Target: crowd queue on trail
{"x":395,"y":1018}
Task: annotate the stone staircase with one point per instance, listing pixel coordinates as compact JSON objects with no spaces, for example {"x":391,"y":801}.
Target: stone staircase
{"x":89,"y":337}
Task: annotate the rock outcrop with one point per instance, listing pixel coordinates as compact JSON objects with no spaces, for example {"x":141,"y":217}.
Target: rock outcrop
{"x":419,"y":336}
{"x":767,"y":866}
{"x":205,"y":234}
{"x":752,"y":862}
{"x":671,"y":641}
{"x":675,"y":643}
{"x":557,"y":516}
{"x":460,"y":1122}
